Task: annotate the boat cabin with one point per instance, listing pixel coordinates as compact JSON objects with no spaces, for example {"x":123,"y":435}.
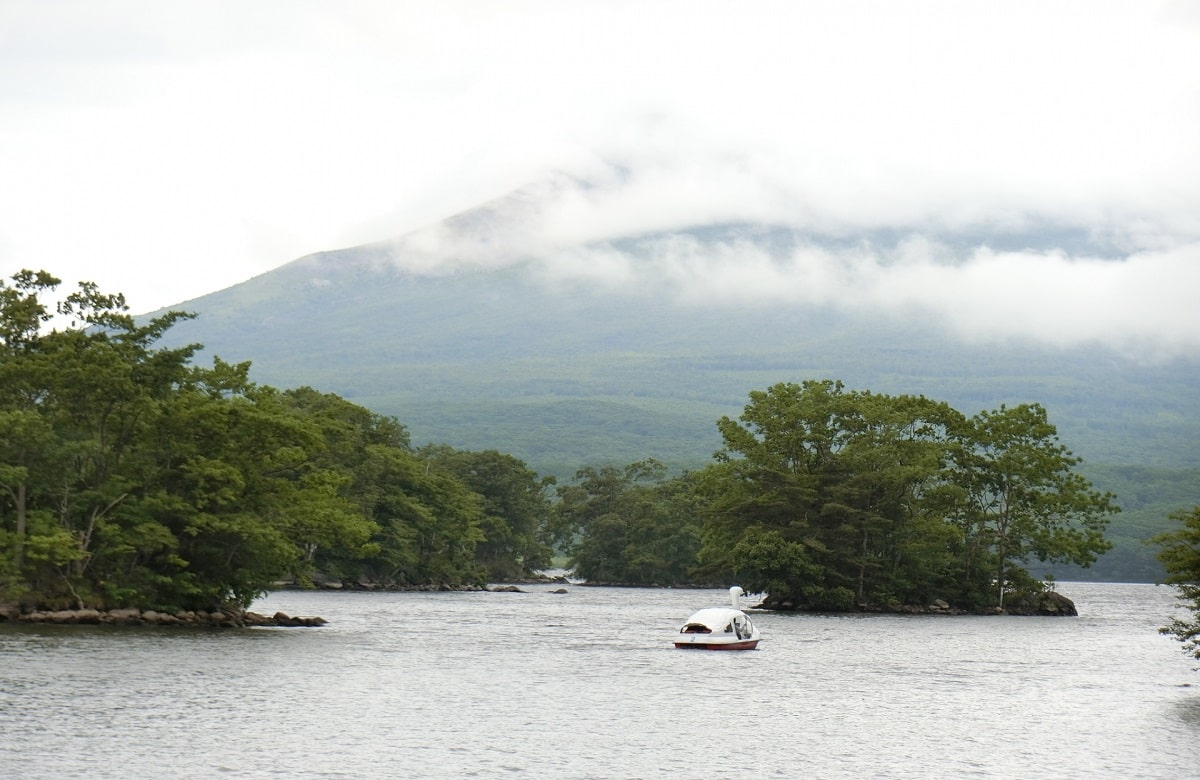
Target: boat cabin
{"x":719,"y":620}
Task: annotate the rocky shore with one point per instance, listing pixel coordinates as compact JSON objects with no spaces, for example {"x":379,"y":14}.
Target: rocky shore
{"x":1030,"y":604}
{"x":16,"y":613}
{"x":134,"y":617}
{"x":320,"y":581}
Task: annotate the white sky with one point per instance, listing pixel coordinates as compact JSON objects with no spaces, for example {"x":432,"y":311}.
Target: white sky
{"x":169,"y":149}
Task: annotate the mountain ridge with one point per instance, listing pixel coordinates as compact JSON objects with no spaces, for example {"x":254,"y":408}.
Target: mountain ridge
{"x":473,"y":333}
{"x":398,"y":341}
{"x":479,"y":329}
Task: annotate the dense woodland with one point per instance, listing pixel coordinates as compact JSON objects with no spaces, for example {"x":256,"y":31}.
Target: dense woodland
{"x":831,"y":499}
{"x":130,"y":476}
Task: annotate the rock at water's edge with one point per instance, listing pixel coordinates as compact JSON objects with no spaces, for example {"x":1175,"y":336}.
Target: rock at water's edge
{"x":133,"y":616}
{"x":1033,"y":603}
{"x":1050,"y":604}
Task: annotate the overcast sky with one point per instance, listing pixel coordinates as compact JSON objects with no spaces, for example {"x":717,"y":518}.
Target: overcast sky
{"x":170,"y":149}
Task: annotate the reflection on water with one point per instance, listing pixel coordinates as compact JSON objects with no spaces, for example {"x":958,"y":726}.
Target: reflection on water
{"x":1187,"y":709}
{"x":587,"y":684}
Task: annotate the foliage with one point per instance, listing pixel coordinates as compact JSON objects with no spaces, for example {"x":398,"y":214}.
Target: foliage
{"x":629,"y":525}
{"x":831,"y":498}
{"x":1017,"y":497}
{"x":1180,"y":554}
{"x":516,"y":508}
{"x":130,"y":476}
{"x":499,"y":360}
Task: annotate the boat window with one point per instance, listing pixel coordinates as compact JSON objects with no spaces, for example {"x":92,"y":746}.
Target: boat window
{"x":695,"y":628}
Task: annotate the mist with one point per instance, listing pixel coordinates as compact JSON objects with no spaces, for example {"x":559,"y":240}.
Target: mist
{"x":1015,"y":170}
{"x":1061,"y":284}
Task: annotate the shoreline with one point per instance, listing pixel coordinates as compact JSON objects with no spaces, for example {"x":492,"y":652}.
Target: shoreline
{"x":136,"y":617}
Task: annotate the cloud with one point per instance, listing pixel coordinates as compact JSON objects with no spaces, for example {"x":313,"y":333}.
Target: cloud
{"x":1136,"y":304}
{"x":1140,"y":305}
{"x":987,"y":280}
{"x":168,"y":150}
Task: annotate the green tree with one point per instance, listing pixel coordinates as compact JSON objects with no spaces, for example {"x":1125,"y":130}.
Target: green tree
{"x":1020,"y":498}
{"x":24,"y":374}
{"x":835,"y":498}
{"x":247,"y":487}
{"x":1180,"y":555}
{"x":129,"y":476}
{"x":893,"y":460}
{"x":348,"y":431}
{"x":668,"y":534}
{"x":771,"y":473}
{"x":79,"y":400}
{"x":836,"y":482}
{"x":630,"y":525}
{"x":429,"y":522}
{"x":515,"y":504}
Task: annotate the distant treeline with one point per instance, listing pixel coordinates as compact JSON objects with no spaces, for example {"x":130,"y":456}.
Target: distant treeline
{"x":833,"y":499}
{"x":130,"y":476}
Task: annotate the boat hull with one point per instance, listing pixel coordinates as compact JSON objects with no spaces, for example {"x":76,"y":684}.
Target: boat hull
{"x":746,"y":644}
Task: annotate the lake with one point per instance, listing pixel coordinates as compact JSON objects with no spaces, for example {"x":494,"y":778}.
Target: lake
{"x":586,"y":684}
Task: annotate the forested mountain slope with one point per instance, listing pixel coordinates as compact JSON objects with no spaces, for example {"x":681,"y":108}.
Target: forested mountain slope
{"x":564,"y":374}
{"x":565,"y":356}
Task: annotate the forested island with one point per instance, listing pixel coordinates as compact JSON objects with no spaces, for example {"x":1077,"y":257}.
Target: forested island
{"x":131,"y":477}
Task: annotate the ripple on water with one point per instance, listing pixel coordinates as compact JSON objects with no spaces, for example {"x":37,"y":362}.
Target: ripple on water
{"x":586,"y":684}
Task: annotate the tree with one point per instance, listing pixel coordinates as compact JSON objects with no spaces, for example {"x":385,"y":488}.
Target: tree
{"x":516,"y":508}
{"x":630,"y":525}
{"x":23,"y":376}
{"x":837,"y":498}
{"x":1020,"y":498}
{"x":1180,"y":554}
{"x":78,"y":402}
{"x":838,"y":481}
{"x":246,"y":488}
{"x":771,"y":473}
{"x":892,"y":462}
{"x":429,"y":522}
{"x":129,"y":476}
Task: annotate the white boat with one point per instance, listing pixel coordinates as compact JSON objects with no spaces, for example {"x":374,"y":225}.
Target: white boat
{"x":720,"y":628}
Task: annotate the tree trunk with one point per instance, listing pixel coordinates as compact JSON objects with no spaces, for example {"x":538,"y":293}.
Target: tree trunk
{"x":22,"y":519}
{"x":1001,"y":550}
{"x":862,"y":565}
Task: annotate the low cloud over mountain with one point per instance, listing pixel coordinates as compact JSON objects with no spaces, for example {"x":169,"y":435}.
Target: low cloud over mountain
{"x":1028,"y":277}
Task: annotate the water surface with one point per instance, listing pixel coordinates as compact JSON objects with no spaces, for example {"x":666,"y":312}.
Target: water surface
{"x":587,"y":684}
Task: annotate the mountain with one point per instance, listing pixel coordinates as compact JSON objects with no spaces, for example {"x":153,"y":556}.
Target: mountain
{"x":491,"y":330}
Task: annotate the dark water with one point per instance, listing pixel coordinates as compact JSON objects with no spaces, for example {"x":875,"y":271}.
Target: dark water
{"x":587,"y":685}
